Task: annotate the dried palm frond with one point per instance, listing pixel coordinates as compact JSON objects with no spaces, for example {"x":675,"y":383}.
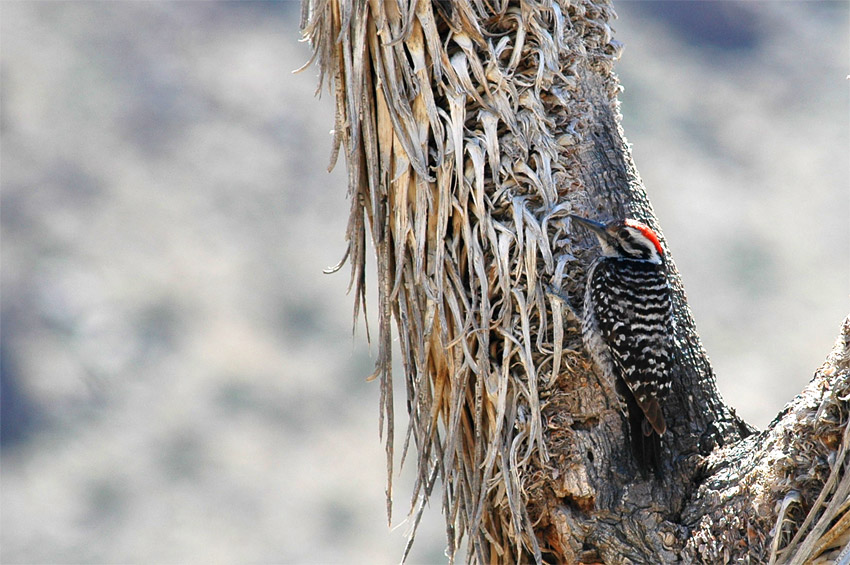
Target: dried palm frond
{"x":462,"y":125}
{"x":470,"y":129}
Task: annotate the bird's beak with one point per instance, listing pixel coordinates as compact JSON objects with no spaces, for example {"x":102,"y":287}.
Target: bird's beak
{"x":597,"y":228}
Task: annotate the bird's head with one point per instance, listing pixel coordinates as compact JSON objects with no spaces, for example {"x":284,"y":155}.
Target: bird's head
{"x":625,"y":238}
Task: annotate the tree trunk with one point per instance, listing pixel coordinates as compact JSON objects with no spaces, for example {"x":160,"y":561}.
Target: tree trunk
{"x":471,"y":129}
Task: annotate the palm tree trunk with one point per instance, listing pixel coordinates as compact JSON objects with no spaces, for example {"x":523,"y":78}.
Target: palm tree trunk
{"x":470,"y":130}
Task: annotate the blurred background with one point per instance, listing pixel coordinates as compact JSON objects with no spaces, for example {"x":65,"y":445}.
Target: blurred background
{"x":179,"y":379}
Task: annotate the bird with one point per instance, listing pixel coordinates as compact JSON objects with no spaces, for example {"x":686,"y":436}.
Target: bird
{"x":628,"y":327}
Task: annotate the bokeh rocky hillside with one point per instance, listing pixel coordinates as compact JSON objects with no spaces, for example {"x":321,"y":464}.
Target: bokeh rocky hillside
{"x":179,"y":379}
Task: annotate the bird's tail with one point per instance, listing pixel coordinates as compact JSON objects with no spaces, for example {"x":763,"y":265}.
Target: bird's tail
{"x":644,"y":441}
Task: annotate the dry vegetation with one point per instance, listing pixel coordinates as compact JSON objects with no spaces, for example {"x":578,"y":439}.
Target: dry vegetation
{"x":469,"y":132}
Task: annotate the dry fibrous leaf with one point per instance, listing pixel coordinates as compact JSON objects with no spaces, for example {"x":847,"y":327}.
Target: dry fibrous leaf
{"x":457,"y":121}
{"x":471,"y":129}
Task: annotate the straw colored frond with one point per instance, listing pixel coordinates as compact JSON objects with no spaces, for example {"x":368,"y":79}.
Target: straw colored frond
{"x":461,"y":124}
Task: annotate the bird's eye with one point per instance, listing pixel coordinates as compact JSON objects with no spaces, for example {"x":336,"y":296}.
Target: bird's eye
{"x":623,"y":232}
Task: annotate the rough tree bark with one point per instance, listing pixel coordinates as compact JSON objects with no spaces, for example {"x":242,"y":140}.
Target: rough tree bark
{"x":471,"y":129}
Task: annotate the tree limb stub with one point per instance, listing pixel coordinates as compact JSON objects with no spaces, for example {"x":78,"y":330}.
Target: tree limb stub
{"x":470,"y":131}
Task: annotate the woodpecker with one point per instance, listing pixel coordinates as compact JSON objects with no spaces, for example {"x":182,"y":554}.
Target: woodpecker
{"x":627,"y":327}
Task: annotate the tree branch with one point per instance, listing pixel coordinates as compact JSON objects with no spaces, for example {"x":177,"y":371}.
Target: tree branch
{"x":775,"y":495}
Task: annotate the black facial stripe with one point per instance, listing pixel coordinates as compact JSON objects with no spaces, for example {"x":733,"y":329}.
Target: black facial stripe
{"x":630,"y":245}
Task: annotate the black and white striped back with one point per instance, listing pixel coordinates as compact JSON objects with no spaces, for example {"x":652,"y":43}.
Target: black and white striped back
{"x":629,"y":323}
